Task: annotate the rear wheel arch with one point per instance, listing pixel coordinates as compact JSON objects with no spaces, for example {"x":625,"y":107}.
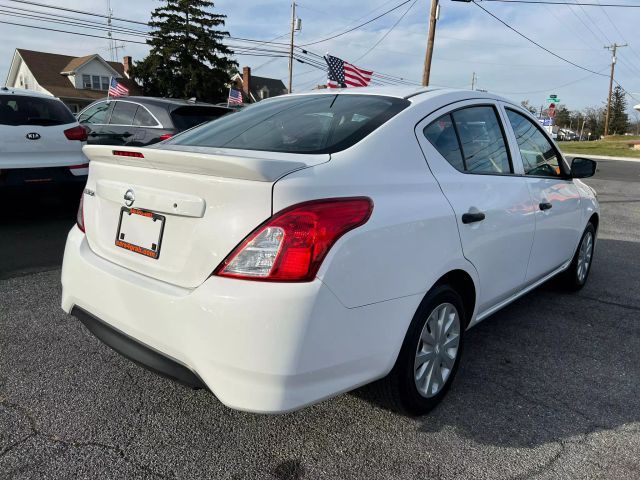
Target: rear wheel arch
{"x":462,"y":283}
{"x":595,"y":220}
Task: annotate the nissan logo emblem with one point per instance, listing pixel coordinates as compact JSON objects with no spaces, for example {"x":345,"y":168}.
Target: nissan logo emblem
{"x":129,"y":198}
{"x":32,"y":136}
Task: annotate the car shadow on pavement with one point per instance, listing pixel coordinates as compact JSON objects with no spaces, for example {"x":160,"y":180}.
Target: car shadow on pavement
{"x":33,"y":228}
{"x":553,"y":365}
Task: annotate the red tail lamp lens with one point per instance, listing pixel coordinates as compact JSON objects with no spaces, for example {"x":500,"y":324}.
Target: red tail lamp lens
{"x":291,"y":245}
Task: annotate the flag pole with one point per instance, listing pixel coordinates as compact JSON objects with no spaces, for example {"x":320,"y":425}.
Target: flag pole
{"x":109,"y":88}
{"x":228,"y":95}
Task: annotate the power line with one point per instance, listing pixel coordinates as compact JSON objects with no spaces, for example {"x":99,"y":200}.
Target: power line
{"x":83,"y":12}
{"x":241,"y":50}
{"x":387,"y":32}
{"x":66,"y":31}
{"x":66,"y":17}
{"x":68,"y":22}
{"x":546,"y":2}
{"x":358,"y":26}
{"x":534,"y":42}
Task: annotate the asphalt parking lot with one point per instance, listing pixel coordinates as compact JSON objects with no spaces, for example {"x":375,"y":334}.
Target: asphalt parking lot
{"x":548,"y":388}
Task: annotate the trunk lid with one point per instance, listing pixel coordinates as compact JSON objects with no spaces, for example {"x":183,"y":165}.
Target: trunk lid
{"x":207,"y":201}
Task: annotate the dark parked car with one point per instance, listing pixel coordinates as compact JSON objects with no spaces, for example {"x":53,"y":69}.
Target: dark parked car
{"x":140,"y":121}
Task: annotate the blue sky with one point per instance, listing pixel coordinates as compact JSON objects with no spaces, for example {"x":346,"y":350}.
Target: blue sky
{"x":467,"y":40}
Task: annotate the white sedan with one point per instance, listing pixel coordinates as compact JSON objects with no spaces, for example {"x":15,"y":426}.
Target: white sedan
{"x":313,"y":243}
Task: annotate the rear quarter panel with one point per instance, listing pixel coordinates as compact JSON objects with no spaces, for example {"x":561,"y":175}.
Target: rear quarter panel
{"x":411,"y":239}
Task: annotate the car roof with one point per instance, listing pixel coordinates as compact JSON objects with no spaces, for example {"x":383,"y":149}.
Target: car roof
{"x":160,"y":101}
{"x":416,"y":94}
{"x":26,"y":93}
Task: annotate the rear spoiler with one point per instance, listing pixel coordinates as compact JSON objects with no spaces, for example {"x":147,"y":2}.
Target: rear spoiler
{"x":226,"y":163}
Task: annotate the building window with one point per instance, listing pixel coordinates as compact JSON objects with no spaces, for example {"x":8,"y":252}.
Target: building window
{"x":105,"y":83}
{"x":95,"y":80}
{"x":86,"y":81}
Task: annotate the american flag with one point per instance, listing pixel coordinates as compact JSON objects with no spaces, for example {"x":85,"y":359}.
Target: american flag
{"x":342,"y":74}
{"x":117,"y":90}
{"x":235,"y":97}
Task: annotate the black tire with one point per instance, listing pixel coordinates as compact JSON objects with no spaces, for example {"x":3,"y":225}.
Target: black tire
{"x":570,"y":280}
{"x":398,"y":390}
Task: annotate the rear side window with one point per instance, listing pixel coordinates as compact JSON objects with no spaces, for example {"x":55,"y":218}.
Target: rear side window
{"x":187,"y":117}
{"x":472,"y":140}
{"x":303,"y":124}
{"x":143,"y":118}
{"x":23,"y":110}
{"x":123,"y":113}
{"x":442,"y":135}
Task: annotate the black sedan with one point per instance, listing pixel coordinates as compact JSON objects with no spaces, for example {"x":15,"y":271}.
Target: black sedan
{"x":140,"y":121}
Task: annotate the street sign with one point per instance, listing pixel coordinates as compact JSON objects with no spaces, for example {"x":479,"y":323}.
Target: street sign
{"x":552,"y":110}
{"x":553,"y":100}
{"x":553,"y":96}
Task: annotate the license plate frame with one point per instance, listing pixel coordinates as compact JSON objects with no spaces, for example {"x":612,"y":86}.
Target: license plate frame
{"x":140,"y":249}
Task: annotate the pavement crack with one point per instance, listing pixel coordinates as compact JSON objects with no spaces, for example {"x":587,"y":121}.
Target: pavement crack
{"x":608,"y":302}
{"x":36,"y":432}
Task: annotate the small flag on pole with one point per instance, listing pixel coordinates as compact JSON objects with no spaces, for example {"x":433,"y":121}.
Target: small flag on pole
{"x":117,"y":90}
{"x":235,"y":97}
{"x":342,"y":74}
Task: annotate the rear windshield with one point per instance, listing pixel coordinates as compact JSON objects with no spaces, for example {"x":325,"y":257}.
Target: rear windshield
{"x":23,"y":110}
{"x":304,"y":124}
{"x":188,"y":117}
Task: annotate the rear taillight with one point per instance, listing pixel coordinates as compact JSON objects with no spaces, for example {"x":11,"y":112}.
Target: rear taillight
{"x":80,"y":215}
{"x":165,"y":136}
{"x":77,"y":133}
{"x":290,"y":246}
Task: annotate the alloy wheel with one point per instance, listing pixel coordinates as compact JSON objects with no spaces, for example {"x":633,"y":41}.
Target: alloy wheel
{"x":584,"y":257}
{"x":437,"y":350}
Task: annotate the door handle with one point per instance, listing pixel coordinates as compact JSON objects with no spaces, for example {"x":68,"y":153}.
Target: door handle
{"x":545,"y":206}
{"x":472,"y":217}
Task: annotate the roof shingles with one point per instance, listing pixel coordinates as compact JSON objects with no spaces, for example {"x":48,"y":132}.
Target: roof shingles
{"x":47,"y":69}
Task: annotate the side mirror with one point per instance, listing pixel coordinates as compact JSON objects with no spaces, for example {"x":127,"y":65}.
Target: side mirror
{"x":583,"y":167}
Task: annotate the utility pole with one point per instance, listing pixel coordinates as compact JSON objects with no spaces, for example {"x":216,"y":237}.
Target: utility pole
{"x":293,"y":27}
{"x":473,"y":81}
{"x":613,"y":49}
{"x":112,"y":46}
{"x":433,"y":17}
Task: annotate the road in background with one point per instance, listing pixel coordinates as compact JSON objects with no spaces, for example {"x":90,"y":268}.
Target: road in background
{"x":548,"y":387}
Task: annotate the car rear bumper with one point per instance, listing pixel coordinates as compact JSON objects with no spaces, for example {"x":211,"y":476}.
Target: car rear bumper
{"x":43,"y":177}
{"x":258,"y":346}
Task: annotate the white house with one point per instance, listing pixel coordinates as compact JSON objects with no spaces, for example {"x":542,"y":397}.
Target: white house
{"x":77,"y":81}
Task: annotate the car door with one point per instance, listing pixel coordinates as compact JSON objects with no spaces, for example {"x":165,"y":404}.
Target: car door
{"x":555,"y":197}
{"x":96,"y":118}
{"x":466,"y":149}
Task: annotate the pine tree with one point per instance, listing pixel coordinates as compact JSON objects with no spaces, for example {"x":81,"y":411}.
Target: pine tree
{"x":187,"y":57}
{"x":618,"y":117}
{"x":563,"y":116}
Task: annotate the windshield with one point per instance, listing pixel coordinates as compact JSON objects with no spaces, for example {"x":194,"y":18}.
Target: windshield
{"x":300,"y":124}
{"x":23,"y":110}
